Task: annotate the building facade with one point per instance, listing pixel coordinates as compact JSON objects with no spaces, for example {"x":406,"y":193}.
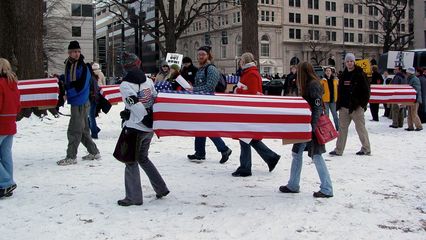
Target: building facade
{"x":419,"y":24}
{"x":114,"y":36}
{"x":66,"y":21}
{"x":290,"y":31}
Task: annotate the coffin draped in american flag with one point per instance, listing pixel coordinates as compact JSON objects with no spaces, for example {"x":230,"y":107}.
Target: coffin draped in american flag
{"x":111,"y":93}
{"x":233,"y":116}
{"x":401,"y":94}
{"x":39,"y":92}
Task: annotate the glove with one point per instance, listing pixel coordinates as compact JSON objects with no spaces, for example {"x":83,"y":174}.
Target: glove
{"x":149,"y":118}
{"x":131,"y":100}
{"x":125,"y":114}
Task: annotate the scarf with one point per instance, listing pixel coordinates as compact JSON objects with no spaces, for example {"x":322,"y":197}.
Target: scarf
{"x":73,"y":69}
{"x":248,"y":65}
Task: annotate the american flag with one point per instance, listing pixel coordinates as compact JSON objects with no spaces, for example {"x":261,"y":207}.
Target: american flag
{"x":111,"y":93}
{"x":232,"y":79}
{"x":145,"y":95}
{"x":401,"y":94}
{"x":162,"y":86}
{"x":39,"y":92}
{"x":233,"y":116}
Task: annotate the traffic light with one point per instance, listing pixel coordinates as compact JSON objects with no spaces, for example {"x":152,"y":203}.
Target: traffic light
{"x":118,"y":59}
{"x":224,"y":37}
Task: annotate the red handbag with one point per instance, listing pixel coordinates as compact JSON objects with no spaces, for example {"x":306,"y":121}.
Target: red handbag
{"x":325,"y":131}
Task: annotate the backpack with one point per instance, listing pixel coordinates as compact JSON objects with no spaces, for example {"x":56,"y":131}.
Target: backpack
{"x":221,"y":84}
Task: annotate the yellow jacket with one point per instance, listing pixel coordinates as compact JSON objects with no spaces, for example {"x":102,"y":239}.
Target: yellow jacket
{"x":326,"y":96}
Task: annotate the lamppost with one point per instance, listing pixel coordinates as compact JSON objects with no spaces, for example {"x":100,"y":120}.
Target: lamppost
{"x":343,"y":37}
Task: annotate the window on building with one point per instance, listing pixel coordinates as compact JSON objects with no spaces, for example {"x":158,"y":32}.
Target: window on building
{"x":376,"y":25}
{"x":352,"y":37}
{"x":371,"y":38}
{"x":238,"y":46}
{"x":81,"y":10}
{"x":333,"y":6}
{"x":294,"y":3}
{"x":298,"y":18}
{"x":370,"y":25}
{"x":333,"y":21}
{"x":316,"y":20}
{"x":351,"y":23}
{"x":295,"y":33}
{"x":359,"y":23}
{"x":223,"y":51}
{"x":359,"y":9}
{"x":328,"y":34}
{"x":264,"y":46}
{"x":291,"y":17}
{"x":272,"y":16}
{"x":298,"y":34}
{"x":316,"y":35}
{"x":425,"y":14}
{"x":310,"y":19}
{"x":267,"y":16}
{"x":403,"y":27}
{"x":333,"y":36}
{"x":360,"y":37}
{"x":76,"y":31}
{"x":346,"y":38}
{"x":376,"y":39}
{"x":262,"y":16}
{"x":313,"y":4}
{"x":291,"y":34}
{"x":346,"y":22}
{"x":328,"y":6}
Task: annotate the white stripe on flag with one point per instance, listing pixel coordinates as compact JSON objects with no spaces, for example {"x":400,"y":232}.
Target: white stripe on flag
{"x":205,"y":108}
{"x":42,"y":96}
{"x":115,"y":95}
{"x":408,"y":97}
{"x":34,"y":86}
{"x":231,"y":127}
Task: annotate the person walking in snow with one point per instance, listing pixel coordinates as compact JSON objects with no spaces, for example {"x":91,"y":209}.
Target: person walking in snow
{"x":413,"y":117}
{"x":311,"y":90}
{"x":206,"y":80}
{"x":77,"y":87}
{"x":9,"y":108}
{"x":138,"y":95}
{"x":354,"y":93}
{"x":251,"y":83}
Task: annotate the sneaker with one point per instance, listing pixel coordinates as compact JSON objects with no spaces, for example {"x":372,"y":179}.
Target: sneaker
{"x":126,"y":202}
{"x":10,"y":189}
{"x":241,"y":174}
{"x":92,"y":156}
{"x":409,"y":129}
{"x":418,"y":129}
{"x":393,"y":126}
{"x":67,"y":161}
{"x":334,"y":153}
{"x":285,"y":189}
{"x":319,"y":194}
{"x":273,"y":163}
{"x":361,"y":153}
{"x":225,"y":156}
{"x":159,"y":196}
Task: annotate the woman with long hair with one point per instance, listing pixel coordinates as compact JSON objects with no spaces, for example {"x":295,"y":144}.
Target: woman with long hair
{"x":9,"y":108}
{"x":311,"y":90}
{"x":251,"y":83}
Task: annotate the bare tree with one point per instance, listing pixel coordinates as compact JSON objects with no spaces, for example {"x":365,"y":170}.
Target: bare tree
{"x":320,"y":47}
{"x":21,"y":26}
{"x":173,"y":20}
{"x":249,"y":14}
{"x":390,"y":15}
{"x":54,"y":27}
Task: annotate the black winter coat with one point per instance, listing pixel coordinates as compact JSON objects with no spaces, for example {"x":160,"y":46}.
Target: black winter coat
{"x":189,"y":73}
{"x":359,"y":89}
{"x":314,"y":98}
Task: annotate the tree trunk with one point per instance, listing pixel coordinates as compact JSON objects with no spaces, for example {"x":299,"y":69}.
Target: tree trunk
{"x":250,"y":41}
{"x":21,"y":25}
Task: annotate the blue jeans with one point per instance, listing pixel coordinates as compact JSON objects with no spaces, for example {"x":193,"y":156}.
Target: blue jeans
{"x":6,"y":163}
{"x":92,"y":120}
{"x":296,"y":168}
{"x":245,"y":157}
{"x":332,"y":106}
{"x":200,"y":145}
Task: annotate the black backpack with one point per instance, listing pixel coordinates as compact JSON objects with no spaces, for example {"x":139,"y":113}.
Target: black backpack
{"x":221,"y":84}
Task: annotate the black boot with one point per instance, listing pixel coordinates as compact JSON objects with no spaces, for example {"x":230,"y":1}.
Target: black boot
{"x":285,"y":189}
{"x":196,"y":157}
{"x":319,"y":194}
{"x":225,"y":156}
{"x":162,"y":195}
{"x":273,"y":162}
{"x":126,"y":202}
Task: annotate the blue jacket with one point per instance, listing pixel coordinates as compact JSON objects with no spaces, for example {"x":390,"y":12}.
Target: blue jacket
{"x":77,"y":91}
{"x":206,"y":82}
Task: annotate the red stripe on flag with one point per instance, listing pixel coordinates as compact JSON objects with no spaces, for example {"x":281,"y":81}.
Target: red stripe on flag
{"x":38,"y":90}
{"x":255,"y":135}
{"x":232,"y":103}
{"x":38,"y":103}
{"x":392,"y":101}
{"x":222,"y":117}
{"x":35,"y":82}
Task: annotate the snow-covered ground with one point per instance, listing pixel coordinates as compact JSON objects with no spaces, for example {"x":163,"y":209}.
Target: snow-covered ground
{"x":382,"y":196}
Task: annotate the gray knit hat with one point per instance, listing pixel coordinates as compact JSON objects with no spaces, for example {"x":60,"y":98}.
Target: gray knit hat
{"x":349,"y":57}
{"x":130,"y":60}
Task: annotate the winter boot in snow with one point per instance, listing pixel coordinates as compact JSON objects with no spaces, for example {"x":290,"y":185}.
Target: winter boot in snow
{"x":67,"y":161}
{"x":92,"y":156}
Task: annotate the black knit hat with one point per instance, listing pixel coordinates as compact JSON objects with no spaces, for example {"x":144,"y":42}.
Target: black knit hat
{"x":130,"y":60}
{"x":74,"y":45}
{"x":186,"y":60}
{"x":206,"y":49}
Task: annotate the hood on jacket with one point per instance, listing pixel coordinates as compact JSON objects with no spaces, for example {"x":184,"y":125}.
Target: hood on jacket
{"x":136,"y":76}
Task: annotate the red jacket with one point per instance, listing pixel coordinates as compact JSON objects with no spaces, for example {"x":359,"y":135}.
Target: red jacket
{"x":252,"y":79}
{"x":10,"y":105}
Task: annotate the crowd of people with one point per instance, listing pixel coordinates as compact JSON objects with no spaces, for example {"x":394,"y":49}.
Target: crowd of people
{"x":346,"y":97}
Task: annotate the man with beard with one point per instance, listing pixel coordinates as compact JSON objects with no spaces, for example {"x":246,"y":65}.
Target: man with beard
{"x":77,"y":87}
{"x":206,"y":80}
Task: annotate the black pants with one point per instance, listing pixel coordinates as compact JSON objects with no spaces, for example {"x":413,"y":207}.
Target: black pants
{"x":374,"y":108}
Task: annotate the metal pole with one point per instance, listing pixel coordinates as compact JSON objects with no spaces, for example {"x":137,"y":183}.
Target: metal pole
{"x":343,"y":38}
